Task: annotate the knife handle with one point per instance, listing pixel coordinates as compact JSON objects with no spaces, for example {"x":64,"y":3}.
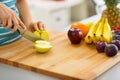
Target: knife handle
{"x":21,"y":30}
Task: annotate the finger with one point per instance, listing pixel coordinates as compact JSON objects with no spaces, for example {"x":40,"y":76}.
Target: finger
{"x":35,"y":26}
{"x":9,"y":23}
{"x":15,"y":27}
{"x":15,"y":24}
{"x":43,"y":27}
{"x":31,"y":27}
{"x":21,"y":23}
{"x":40,"y":25}
{"x":4,"y":22}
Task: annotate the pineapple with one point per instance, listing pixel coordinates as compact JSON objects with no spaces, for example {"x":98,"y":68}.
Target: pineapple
{"x":112,"y":12}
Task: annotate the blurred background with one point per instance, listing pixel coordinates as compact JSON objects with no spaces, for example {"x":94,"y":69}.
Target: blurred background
{"x":59,"y":14}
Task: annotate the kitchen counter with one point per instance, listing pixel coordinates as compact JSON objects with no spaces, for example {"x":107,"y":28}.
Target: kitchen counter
{"x":13,"y":73}
{"x":8,"y":72}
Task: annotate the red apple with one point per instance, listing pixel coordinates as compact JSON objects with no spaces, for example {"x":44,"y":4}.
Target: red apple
{"x":75,"y":35}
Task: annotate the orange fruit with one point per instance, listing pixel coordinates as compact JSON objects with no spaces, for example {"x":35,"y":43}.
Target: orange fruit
{"x":81,"y":26}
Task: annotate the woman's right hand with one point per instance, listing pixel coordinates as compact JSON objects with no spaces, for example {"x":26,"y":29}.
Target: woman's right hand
{"x":9,"y":18}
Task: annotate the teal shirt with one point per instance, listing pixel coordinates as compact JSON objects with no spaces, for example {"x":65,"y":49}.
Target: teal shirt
{"x":6,"y":36}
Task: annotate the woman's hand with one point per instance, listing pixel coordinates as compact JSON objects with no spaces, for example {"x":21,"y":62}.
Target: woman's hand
{"x":36,"y":26}
{"x":9,"y":18}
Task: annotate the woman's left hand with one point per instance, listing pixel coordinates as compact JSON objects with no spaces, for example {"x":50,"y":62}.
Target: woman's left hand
{"x":36,"y":26}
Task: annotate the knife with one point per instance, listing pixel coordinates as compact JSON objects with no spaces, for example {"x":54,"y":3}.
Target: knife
{"x":27,"y":34}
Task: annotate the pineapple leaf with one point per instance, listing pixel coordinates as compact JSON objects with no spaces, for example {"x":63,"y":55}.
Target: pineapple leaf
{"x":111,"y":2}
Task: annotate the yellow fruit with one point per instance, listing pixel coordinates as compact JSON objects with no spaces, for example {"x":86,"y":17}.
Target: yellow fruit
{"x":89,"y":24}
{"x":107,"y":33}
{"x":99,"y":30}
{"x":112,"y":12}
{"x":44,"y":35}
{"x":37,"y":33}
{"x":88,"y":40}
{"x":42,"y":46}
{"x":91,"y":34}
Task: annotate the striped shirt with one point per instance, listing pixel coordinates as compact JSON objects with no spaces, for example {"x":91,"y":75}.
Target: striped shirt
{"x":6,"y":36}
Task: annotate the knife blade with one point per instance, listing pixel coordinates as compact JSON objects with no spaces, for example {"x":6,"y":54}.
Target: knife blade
{"x":27,"y":34}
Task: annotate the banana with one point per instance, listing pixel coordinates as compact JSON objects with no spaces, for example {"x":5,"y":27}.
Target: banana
{"x":91,"y":36}
{"x":102,"y":38}
{"x":94,"y":37}
{"x":88,"y":40}
{"x":107,"y":33}
{"x":94,"y":40}
{"x":111,"y":37}
{"x":99,"y":31}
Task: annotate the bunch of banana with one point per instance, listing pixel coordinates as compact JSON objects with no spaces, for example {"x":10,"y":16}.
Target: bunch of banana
{"x":90,"y":37}
{"x":100,"y":31}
